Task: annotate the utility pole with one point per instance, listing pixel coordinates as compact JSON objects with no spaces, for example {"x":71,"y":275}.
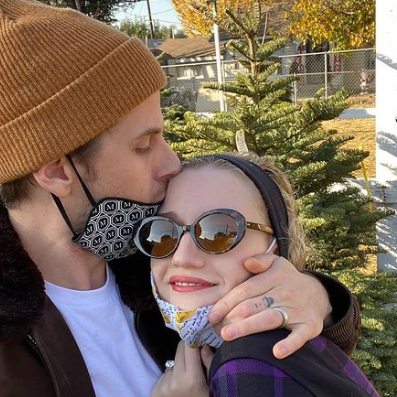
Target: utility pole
{"x":218,"y":59}
{"x":150,"y":16}
{"x":150,"y":19}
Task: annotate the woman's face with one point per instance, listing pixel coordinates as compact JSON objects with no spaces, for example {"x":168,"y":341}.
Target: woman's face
{"x":190,"y":277}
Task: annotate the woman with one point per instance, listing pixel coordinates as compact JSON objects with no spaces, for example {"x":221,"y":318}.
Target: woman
{"x":219,"y":211}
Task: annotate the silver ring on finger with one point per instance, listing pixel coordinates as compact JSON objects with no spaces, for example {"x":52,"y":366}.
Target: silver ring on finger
{"x":169,"y":364}
{"x":284,"y":316}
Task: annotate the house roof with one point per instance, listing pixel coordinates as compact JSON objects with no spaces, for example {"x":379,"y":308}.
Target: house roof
{"x":188,"y":47}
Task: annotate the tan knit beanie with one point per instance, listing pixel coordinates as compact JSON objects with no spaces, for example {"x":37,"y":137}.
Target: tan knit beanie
{"x":64,"y":79}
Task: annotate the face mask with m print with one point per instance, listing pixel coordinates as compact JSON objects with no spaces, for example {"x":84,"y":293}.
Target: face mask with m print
{"x":111,"y":224}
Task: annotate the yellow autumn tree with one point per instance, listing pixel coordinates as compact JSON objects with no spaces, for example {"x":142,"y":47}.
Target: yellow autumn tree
{"x":197,"y":16}
{"x":344,"y":23}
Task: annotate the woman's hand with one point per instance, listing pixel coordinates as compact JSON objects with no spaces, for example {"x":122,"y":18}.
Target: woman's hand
{"x":249,"y":307}
{"x":186,"y":378}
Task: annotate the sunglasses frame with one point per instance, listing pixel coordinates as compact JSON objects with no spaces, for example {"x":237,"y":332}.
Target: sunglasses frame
{"x":242,"y":226}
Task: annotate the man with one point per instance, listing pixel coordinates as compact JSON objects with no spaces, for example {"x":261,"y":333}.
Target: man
{"x":82,"y":161}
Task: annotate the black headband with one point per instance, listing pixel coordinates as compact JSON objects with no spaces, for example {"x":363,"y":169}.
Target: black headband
{"x":271,"y":194}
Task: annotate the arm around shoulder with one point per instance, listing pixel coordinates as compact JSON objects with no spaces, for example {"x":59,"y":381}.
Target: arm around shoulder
{"x":344,"y":329}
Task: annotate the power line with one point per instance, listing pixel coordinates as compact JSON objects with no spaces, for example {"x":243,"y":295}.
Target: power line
{"x":162,"y":12}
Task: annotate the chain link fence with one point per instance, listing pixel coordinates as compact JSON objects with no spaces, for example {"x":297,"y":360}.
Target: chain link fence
{"x":353,"y":70}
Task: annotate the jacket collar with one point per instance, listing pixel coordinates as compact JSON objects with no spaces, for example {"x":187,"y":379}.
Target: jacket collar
{"x":22,"y":293}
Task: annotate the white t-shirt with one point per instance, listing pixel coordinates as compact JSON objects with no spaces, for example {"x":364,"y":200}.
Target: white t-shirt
{"x":103,"y":328}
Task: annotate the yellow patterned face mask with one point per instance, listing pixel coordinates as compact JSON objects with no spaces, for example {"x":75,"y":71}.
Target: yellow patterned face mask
{"x":192,"y":326}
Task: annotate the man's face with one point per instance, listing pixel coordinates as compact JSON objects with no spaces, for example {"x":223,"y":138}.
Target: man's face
{"x":133,"y":160}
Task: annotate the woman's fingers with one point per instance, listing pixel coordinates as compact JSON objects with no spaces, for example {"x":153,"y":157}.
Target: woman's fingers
{"x":187,"y":367}
{"x":207,"y":356}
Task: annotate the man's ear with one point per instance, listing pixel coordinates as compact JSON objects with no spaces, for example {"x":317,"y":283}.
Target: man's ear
{"x":56,"y":177}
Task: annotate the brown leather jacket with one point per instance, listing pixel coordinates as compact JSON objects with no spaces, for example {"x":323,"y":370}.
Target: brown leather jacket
{"x":38,"y":354}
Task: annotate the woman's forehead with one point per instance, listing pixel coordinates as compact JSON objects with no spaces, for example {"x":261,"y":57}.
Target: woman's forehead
{"x":203,"y":179}
{"x":206,"y":188}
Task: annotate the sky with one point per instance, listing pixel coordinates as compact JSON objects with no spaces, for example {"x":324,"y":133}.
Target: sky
{"x":162,"y":10}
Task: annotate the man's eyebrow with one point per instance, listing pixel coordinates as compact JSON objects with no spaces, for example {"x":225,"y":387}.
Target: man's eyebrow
{"x":152,"y":131}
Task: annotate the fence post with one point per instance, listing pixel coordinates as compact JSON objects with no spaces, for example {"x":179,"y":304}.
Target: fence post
{"x":224,"y":81}
{"x":295,"y":87}
{"x":218,"y":63}
{"x":326,"y":75}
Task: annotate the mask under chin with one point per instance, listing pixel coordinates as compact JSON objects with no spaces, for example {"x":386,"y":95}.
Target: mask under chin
{"x":192,"y":326}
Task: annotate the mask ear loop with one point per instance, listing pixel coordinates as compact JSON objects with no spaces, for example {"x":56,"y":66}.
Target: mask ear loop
{"x":83,"y":185}
{"x":272,"y":244}
{"x":63,"y":212}
{"x":59,"y":204}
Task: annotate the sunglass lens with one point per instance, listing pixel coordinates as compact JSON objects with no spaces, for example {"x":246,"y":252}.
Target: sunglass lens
{"x":158,"y":238}
{"x":216,"y":233}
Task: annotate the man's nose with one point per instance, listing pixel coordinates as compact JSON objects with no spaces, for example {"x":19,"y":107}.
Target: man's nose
{"x":170,"y":165}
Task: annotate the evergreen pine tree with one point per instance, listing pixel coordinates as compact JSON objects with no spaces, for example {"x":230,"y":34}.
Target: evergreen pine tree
{"x":339,"y":221}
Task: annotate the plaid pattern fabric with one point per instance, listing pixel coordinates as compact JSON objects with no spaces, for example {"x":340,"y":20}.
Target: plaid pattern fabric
{"x":319,"y":369}
{"x":251,"y":378}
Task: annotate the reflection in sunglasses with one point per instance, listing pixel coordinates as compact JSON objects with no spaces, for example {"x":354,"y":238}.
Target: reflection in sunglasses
{"x":215,"y":232}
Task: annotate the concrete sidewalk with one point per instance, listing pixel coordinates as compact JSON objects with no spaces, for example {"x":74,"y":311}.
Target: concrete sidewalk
{"x":358,"y":113}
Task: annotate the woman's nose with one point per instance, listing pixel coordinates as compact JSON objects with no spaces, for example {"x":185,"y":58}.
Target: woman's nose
{"x":187,"y":253}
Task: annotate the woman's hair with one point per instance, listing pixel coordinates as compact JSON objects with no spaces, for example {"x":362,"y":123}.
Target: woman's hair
{"x":297,"y":249}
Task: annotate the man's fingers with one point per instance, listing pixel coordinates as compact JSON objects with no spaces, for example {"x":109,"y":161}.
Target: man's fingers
{"x":257,"y":285}
{"x":293,"y":342}
{"x":260,"y":263}
{"x":301,"y":299}
{"x":254,"y":286}
{"x":263,"y":321}
{"x":248,"y":308}
{"x":277,"y":297}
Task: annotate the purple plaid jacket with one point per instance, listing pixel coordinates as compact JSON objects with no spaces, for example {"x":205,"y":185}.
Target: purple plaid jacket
{"x":247,"y":368}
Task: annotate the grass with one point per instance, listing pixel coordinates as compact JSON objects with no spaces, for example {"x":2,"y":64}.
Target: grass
{"x":363,"y":131}
{"x":362,"y":101}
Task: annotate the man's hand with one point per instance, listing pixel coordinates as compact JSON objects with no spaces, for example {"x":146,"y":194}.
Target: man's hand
{"x":186,"y":378}
{"x":248,"y":308}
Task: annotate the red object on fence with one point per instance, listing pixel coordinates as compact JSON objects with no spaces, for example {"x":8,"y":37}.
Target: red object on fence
{"x":298,"y":60}
{"x":337,"y":66}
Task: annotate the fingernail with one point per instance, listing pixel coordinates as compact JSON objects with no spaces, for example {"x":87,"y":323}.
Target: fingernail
{"x":230,"y":332}
{"x":283,"y":351}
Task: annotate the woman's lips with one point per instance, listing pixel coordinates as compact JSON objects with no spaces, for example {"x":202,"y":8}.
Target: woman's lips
{"x":188,"y":284}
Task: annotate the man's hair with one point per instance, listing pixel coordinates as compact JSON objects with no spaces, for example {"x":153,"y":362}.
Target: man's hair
{"x":14,"y":192}
{"x":297,"y":248}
